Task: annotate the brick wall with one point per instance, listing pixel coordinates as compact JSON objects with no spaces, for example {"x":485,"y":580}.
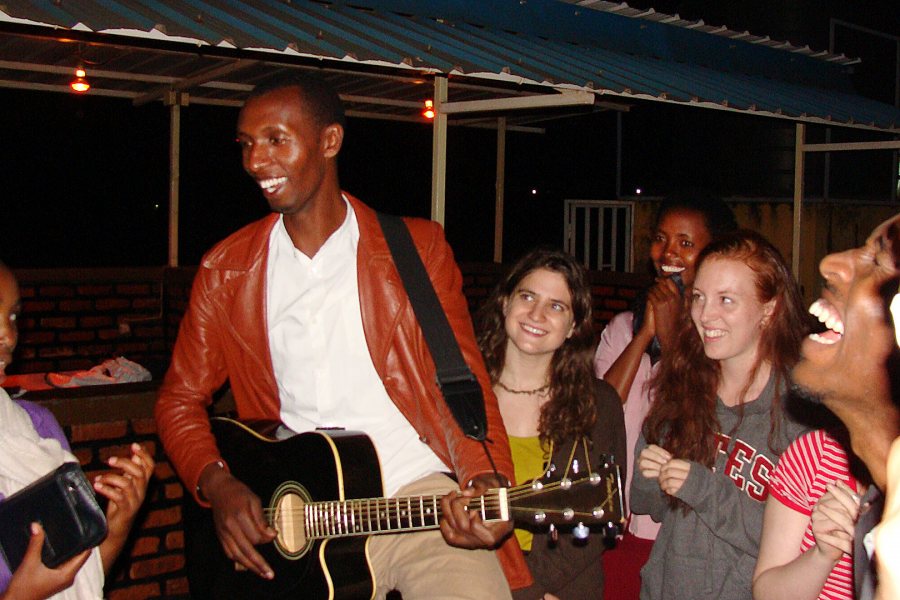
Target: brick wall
{"x":74,"y":319}
{"x":71,"y":321}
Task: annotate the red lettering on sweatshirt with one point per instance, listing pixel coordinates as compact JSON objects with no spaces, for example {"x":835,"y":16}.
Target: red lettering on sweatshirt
{"x":748,"y":469}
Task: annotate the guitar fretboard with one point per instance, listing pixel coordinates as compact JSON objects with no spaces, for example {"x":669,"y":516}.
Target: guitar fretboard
{"x":385,"y":515}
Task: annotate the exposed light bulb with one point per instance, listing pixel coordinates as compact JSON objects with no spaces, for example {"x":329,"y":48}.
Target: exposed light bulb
{"x":80,"y":84}
{"x":428,"y":113}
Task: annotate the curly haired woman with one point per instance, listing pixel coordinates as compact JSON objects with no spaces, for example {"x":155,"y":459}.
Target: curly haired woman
{"x":538,"y":340}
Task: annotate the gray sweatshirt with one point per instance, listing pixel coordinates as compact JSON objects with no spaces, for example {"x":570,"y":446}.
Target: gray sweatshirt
{"x":711,"y":551}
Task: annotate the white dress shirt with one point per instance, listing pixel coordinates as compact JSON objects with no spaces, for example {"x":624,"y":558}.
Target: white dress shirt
{"x":325,"y":374}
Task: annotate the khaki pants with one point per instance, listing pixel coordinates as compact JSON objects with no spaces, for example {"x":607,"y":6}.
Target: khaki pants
{"x":422,"y":566}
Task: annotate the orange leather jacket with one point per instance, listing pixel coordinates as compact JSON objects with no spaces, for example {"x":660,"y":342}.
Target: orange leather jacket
{"x":223,"y":337}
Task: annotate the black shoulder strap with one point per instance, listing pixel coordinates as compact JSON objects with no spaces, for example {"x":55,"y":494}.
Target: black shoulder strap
{"x":457,"y":383}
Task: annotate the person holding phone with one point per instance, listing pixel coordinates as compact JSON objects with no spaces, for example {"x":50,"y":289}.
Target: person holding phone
{"x":33,"y":444}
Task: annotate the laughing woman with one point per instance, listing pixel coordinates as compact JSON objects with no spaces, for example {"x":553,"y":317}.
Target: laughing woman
{"x":717,"y":426}
{"x":537,"y":338}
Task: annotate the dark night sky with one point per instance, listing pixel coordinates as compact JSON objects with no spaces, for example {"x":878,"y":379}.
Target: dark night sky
{"x":86,"y":178}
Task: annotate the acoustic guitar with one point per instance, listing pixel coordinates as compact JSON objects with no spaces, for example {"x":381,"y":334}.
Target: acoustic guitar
{"x":321,"y":492}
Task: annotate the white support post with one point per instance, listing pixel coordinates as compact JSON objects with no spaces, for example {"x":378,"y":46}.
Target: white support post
{"x":439,"y":152}
{"x":799,"y":167}
{"x":500,"y":186}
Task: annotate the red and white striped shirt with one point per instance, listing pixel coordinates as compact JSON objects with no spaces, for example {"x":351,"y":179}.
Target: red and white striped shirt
{"x":810,"y":463}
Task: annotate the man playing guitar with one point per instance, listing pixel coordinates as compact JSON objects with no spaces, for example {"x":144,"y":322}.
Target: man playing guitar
{"x":304,"y":314}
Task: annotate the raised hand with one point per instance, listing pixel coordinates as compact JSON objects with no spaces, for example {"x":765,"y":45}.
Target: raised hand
{"x":666,"y":305}
{"x":658,"y":463}
{"x":125,"y":487}
{"x":673,"y":474}
{"x":651,"y":461}
{"x":833,"y":520}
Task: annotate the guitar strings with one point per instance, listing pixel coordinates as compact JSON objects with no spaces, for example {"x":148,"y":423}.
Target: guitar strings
{"x":406,"y":507}
{"x":404,"y":503}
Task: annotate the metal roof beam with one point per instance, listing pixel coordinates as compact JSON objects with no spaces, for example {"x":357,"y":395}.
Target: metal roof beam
{"x":92,"y":72}
{"x":63,"y":89}
{"x":837,"y":147}
{"x":504,"y":104}
{"x":193,"y":81}
{"x":416,"y":106}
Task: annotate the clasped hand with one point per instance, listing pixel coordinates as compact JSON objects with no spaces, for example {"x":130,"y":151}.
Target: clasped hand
{"x":665,"y":305}
{"x":834,"y":520}
{"x":657,"y":463}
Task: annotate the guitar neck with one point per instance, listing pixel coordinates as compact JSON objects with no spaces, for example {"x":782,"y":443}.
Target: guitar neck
{"x":367,"y":516}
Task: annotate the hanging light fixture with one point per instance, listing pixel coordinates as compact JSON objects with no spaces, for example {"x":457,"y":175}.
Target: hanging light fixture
{"x":428,"y":113}
{"x":80,"y":84}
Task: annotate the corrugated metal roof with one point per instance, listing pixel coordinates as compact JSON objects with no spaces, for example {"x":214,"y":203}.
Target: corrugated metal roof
{"x":650,"y":14}
{"x":381,"y":53}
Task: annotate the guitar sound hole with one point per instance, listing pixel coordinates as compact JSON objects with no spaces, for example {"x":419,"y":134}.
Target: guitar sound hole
{"x":289,"y":519}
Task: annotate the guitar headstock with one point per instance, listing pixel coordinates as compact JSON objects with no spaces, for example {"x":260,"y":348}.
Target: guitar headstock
{"x":578,"y":501}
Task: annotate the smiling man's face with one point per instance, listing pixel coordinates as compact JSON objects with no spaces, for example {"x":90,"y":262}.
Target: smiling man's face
{"x":846,"y":363}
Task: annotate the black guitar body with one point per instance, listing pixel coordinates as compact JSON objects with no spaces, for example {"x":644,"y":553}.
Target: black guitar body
{"x":324,"y":465}
{"x":322,"y":493}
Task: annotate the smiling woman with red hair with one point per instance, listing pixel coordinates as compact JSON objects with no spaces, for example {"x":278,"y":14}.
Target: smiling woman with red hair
{"x":717,"y":425}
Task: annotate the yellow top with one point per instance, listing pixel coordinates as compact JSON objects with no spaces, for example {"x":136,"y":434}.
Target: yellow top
{"x":529,"y":459}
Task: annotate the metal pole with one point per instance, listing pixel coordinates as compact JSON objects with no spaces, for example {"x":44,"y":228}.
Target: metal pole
{"x":799,"y":165}
{"x":173,"y":99}
{"x":826,"y":182}
{"x":618,"y":155}
{"x":500,"y":185}
{"x":439,"y":152}
{"x":895,"y":164}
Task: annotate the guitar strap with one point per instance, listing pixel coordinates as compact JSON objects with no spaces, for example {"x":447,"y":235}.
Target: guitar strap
{"x":457,"y":383}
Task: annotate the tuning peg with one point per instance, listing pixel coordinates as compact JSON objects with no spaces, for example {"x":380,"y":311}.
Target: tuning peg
{"x":595,"y":478}
{"x":565,"y":483}
{"x":554,"y":534}
{"x":581,"y":532}
{"x":610,"y":531}
{"x":537,"y":485}
{"x":575,"y":466}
